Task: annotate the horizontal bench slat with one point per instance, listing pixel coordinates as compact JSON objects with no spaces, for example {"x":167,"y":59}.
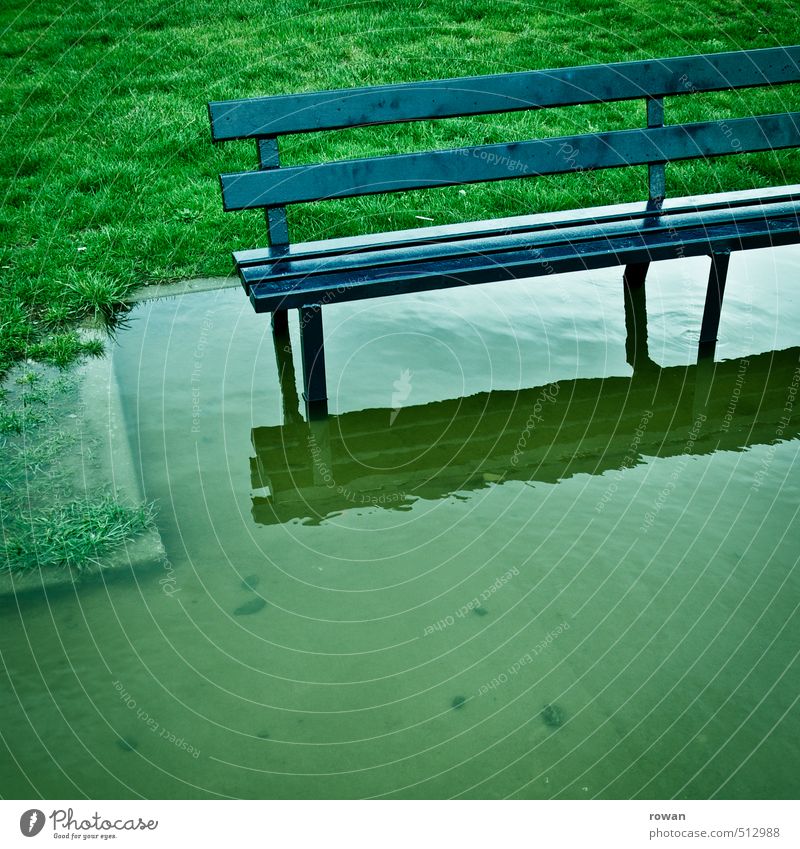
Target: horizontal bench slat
{"x":330,"y":110}
{"x":565,"y":154}
{"x":404,"y":279}
{"x":289,"y":272}
{"x":531,"y":224}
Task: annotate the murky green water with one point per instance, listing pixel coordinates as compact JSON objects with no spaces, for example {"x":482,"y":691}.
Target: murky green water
{"x":509,"y":566}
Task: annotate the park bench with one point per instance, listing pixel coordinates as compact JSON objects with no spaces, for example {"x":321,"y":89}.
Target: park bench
{"x":308,"y":275}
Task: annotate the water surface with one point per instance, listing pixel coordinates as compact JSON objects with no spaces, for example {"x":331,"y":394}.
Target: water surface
{"x":509,"y":564}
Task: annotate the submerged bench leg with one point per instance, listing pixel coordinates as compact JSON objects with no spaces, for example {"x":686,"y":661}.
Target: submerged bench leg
{"x":312,"y":347}
{"x":635,"y":274}
{"x":713,"y":307}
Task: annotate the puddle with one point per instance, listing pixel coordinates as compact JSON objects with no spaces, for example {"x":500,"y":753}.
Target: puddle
{"x":508,"y":565}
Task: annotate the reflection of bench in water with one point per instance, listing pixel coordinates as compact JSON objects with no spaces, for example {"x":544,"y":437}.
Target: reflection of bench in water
{"x":546,"y":434}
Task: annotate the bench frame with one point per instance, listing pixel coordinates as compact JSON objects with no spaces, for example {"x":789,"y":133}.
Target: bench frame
{"x":306,"y":276}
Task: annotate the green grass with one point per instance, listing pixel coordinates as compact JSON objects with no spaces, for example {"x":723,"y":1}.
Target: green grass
{"x":109,"y":179}
{"x":47,"y":518}
{"x":75,"y":535}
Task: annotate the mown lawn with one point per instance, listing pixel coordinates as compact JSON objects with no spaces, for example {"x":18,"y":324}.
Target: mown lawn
{"x":109,"y":179}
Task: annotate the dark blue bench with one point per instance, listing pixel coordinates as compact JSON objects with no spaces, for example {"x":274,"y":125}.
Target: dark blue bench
{"x":308,"y":275}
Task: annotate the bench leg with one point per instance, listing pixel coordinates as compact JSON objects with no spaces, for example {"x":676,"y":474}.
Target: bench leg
{"x":312,"y":348}
{"x":280,"y":322}
{"x":713,"y":306}
{"x":635,"y":274}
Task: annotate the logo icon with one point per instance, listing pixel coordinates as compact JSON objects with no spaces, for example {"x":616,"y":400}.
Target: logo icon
{"x":402,"y":389}
{"x":31,"y":822}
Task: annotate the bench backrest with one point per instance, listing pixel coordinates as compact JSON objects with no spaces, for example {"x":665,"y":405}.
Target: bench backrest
{"x":273,"y":187}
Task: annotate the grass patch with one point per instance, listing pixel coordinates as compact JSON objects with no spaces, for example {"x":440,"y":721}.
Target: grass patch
{"x":75,"y":535}
{"x":109,"y":179}
{"x":47,"y":519}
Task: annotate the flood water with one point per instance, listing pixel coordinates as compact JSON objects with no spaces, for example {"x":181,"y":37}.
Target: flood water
{"x":510,"y":564}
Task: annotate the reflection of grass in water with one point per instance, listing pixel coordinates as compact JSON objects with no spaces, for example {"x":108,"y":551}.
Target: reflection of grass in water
{"x":45,"y":520}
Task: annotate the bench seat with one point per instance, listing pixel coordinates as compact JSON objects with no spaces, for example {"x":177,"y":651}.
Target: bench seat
{"x":375,"y":265}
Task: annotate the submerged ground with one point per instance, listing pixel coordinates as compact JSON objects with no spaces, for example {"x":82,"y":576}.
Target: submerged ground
{"x":509,"y":566}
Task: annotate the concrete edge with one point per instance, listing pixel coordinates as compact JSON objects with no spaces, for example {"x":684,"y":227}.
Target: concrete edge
{"x":103,"y":427}
{"x":181,"y":287}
